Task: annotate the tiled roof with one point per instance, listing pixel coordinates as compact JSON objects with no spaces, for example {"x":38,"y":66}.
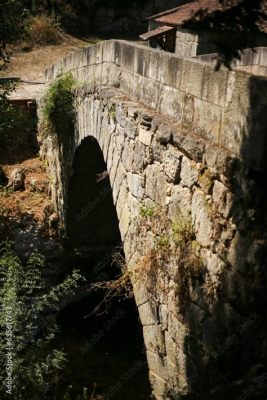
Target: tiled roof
{"x":179,"y":15}
{"x":185,"y":12}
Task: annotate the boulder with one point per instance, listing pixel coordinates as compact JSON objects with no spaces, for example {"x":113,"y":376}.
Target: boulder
{"x":17,"y":179}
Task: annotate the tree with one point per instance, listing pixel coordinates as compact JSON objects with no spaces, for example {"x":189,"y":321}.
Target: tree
{"x":233,"y":27}
{"x":12,"y":15}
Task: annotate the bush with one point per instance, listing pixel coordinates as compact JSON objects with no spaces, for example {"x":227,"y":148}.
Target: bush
{"x":43,"y":30}
{"x":58,"y":110}
{"x":28,"y":359}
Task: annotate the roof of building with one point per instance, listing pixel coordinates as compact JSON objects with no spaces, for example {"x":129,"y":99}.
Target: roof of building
{"x":155,"y":33}
{"x":183,"y":13}
{"x":177,"y":16}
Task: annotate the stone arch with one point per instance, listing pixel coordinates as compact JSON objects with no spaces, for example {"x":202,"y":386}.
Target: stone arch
{"x":91,"y":216}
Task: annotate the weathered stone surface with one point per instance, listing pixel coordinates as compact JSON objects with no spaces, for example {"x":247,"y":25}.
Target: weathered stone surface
{"x":201,"y":219}
{"x":189,"y":172}
{"x":164,"y":134}
{"x":156,"y":364}
{"x":125,"y":220}
{"x":139,"y":157}
{"x":154,"y":339}
{"x":215,"y":266}
{"x":172,"y":164}
{"x":17,"y":179}
{"x":222,"y":198}
{"x":122,"y":197}
{"x":136,"y":185}
{"x":159,"y":385}
{"x":189,"y":144}
{"x":156,"y":184}
{"x":128,"y":154}
{"x":147,"y":315}
{"x":180,"y":202}
{"x":145,"y":136}
{"x":219,"y":161}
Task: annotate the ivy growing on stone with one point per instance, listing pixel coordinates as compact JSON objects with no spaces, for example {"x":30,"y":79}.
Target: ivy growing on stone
{"x":58,"y":108}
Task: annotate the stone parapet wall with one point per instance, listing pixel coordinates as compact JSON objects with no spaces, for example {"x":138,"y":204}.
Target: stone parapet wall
{"x":218,"y":106}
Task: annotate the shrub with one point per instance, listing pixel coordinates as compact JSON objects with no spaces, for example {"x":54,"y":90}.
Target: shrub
{"x":43,"y":30}
{"x":58,"y":109}
{"x":28,"y":326}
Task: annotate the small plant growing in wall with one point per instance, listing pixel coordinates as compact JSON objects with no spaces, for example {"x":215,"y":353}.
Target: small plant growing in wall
{"x":112,"y":112}
{"x":58,"y":108}
{"x":174,"y":255}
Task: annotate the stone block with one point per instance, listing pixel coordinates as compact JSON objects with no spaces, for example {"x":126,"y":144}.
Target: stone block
{"x":156,"y":365}
{"x":136,"y":185}
{"x":219,"y":160}
{"x":141,"y":294}
{"x":128,"y":154}
{"x":190,"y":144}
{"x":214,"y":85}
{"x":124,"y":221}
{"x":122,"y":197}
{"x":156,"y":184}
{"x":172,"y":164}
{"x":164,"y":134}
{"x":201,"y":218}
{"x":159,"y":385}
{"x":192,"y":77}
{"x":180,"y":202}
{"x":172,"y":103}
{"x":139,"y":156}
{"x":207,"y":120}
{"x":116,"y":184}
{"x":189,"y":172}
{"x":145,"y":136}
{"x":222,"y":198}
{"x":147,"y":315}
{"x":154,"y":338}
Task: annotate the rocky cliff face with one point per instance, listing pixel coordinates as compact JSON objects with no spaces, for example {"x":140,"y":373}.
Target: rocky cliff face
{"x":185,"y":153}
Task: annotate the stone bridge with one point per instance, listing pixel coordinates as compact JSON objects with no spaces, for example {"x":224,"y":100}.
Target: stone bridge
{"x":176,"y":136}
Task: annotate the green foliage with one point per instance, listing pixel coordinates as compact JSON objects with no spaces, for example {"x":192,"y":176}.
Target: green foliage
{"x":146,"y":211}
{"x":58,"y":109}
{"x":42,"y":30}
{"x":112,"y":112}
{"x":12,"y":14}
{"x":182,"y":231}
{"x":29,"y":305}
{"x":14,"y":120}
{"x":6,"y":110}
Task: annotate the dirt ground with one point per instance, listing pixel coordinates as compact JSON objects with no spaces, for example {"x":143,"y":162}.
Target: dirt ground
{"x":31,"y":65}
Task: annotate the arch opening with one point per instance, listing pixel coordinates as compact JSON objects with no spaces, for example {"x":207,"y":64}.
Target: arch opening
{"x":91,"y":215}
{"x":106,"y":351}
